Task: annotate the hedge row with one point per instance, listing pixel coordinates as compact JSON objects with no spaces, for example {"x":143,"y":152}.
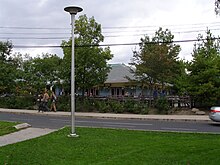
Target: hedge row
{"x":17,"y":102}
{"x":112,"y":106}
{"x":87,"y":105}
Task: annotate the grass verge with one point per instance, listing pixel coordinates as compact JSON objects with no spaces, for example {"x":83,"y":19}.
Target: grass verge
{"x":115,"y":147}
{"x":7,"y":127}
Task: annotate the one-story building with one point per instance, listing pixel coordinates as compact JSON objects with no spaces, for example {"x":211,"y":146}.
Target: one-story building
{"x":121,"y":82}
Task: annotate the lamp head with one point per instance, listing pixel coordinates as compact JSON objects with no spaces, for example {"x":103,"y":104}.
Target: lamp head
{"x":73,"y":9}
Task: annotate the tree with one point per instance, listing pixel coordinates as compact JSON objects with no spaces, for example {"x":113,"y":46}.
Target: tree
{"x":156,"y":61}
{"x":8,"y":68}
{"x":181,"y":82}
{"x":204,"y":71}
{"x":5,"y":50}
{"x":91,"y":66}
{"x":40,"y":71}
{"x":217,"y":7}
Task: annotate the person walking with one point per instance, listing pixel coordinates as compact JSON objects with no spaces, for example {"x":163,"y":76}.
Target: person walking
{"x":53,"y":101}
{"x":45,"y":100}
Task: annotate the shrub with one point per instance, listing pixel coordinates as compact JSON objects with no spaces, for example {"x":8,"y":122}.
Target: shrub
{"x":82,"y":105}
{"x":116,"y":106}
{"x":129,"y":106}
{"x":63,"y":103}
{"x":136,"y":107}
{"x":141,"y":108}
{"x":22,"y":102}
{"x":162,"y":105}
{"x":102,"y":106}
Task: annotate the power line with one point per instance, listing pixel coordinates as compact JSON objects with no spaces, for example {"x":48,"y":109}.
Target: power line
{"x":33,"y":33}
{"x":104,"y":45}
{"x":174,"y":25}
{"x":58,"y":46}
{"x":109,"y":27}
{"x":106,"y":36}
{"x":55,"y":33}
{"x":153,"y":31}
{"x":39,"y":46}
{"x":31,"y":38}
{"x":136,"y":32}
{"x":174,"y":32}
{"x":36,"y":28}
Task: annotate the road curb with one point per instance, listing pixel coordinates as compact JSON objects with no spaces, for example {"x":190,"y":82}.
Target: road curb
{"x":22,"y":126}
{"x":153,"y":119}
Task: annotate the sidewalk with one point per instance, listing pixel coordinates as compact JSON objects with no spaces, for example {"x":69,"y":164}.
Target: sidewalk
{"x":194,"y":118}
{"x":23,"y":135}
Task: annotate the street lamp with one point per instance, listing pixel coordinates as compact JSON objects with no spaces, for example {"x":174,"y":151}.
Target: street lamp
{"x":73,"y":10}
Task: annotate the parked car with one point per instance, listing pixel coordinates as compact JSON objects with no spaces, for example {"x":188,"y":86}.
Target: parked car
{"x":214,"y":113}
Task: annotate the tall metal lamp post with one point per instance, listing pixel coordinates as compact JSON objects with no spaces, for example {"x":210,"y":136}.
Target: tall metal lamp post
{"x":73,"y":10}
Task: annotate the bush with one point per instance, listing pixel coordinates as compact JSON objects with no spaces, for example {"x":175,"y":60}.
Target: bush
{"x":63,"y":103}
{"x":116,"y":106}
{"x":82,"y":105}
{"x":16,"y":102}
{"x":140,"y":108}
{"x":129,"y":106}
{"x":103,"y":106}
{"x":136,"y":107}
{"x":162,"y":105}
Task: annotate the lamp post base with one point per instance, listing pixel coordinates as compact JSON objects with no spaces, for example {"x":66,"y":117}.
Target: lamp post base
{"x":73,"y":135}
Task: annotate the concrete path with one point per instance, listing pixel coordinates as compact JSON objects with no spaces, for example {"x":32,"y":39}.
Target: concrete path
{"x":23,"y":135}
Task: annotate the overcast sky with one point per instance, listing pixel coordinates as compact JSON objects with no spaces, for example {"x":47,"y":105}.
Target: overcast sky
{"x":44,"y":22}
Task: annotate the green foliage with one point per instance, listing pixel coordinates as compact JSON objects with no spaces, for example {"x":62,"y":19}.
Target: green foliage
{"x":82,"y":105}
{"x":217,"y":7}
{"x":5,"y":50}
{"x":204,"y":71}
{"x":137,"y":107}
{"x":103,"y":106}
{"x":116,"y":106}
{"x":90,"y":61}
{"x":162,"y":105}
{"x":111,"y":106}
{"x":39,"y":71}
{"x":129,"y":105}
{"x":63,"y":103}
{"x":181,"y":81}
{"x":8,"y":68}
{"x":18,"y":102}
{"x":157,"y":59}
{"x":8,"y":76}
{"x":88,"y":105}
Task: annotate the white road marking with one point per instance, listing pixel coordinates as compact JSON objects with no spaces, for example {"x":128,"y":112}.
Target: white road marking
{"x":113,"y":123}
{"x":182,"y":129}
{"x":17,"y":119}
{"x":100,"y":122}
{"x":119,"y":126}
{"x":62,"y":120}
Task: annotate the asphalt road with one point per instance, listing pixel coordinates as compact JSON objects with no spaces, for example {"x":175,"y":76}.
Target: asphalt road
{"x":56,"y":122}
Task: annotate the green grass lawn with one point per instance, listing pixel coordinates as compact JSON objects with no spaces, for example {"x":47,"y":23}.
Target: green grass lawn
{"x":116,"y":147}
{"x":7,"y":127}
